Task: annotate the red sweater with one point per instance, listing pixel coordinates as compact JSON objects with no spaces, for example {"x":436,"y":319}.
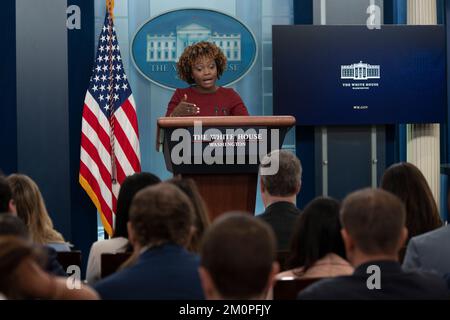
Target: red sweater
{"x":223,"y":102}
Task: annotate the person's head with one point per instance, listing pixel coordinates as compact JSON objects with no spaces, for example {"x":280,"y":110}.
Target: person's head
{"x":238,"y":258}
{"x":130,"y":186}
{"x":160,"y":214}
{"x":14,"y":252}
{"x":409,"y":184}
{"x":12,"y":226}
{"x":373,"y":225}
{"x":201,"y":221}
{"x":317,"y":232}
{"x":6,"y":200}
{"x":202,"y":64}
{"x":286,"y":182}
{"x":31,"y":209}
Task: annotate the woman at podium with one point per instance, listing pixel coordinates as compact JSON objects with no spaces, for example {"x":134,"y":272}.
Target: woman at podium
{"x":200,"y":65}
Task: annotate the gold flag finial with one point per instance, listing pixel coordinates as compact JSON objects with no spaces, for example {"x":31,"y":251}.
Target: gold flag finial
{"x":110,"y":7}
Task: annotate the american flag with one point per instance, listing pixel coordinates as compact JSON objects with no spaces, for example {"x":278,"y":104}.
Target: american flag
{"x":109,"y":135}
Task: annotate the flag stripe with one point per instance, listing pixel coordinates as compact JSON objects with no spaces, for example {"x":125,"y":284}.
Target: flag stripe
{"x":89,"y":148}
{"x":102,"y":134}
{"x":95,"y":173}
{"x":100,"y":157}
{"x":130,"y":112}
{"x":128,"y":126}
{"x":86,"y":174}
{"x":129,"y":152}
{"x":92,"y":104}
{"x":86,"y":186}
{"x":116,"y":189}
{"x":123,"y":159}
{"x":121,"y":175}
{"x":91,"y":135}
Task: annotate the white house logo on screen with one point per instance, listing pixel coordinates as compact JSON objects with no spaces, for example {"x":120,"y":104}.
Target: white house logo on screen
{"x":357,"y":76}
{"x":159,"y":43}
{"x":360,"y":71}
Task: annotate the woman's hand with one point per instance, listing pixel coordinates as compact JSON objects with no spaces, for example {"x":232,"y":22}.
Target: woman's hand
{"x":185,"y":108}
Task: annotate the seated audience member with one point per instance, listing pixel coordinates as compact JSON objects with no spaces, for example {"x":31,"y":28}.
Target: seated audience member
{"x":278,"y":193}
{"x":161,"y":221}
{"x":201,"y":221}
{"x":22,"y":275}
{"x":238,"y":258}
{"x":119,"y":242}
{"x":407,"y":182}
{"x":429,"y":252}
{"x":31,"y":209}
{"x":317,"y":249}
{"x":373,"y":222}
{"x":7,"y":204}
{"x":12,"y":226}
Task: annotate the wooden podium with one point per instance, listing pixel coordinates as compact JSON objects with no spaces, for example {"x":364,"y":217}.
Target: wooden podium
{"x":221,"y":154}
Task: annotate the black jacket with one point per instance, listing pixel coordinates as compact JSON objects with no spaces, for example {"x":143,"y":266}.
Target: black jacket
{"x":395,"y":284}
{"x":53,"y":266}
{"x":281,"y":216}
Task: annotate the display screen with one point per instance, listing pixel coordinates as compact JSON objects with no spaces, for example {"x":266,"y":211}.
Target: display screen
{"x":340,"y":75}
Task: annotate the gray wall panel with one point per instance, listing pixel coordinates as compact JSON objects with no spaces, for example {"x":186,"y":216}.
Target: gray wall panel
{"x":344,"y":11}
{"x":42,"y":102}
{"x":349,"y":159}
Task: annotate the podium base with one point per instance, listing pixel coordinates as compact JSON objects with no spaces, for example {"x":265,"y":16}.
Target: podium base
{"x":225,"y":192}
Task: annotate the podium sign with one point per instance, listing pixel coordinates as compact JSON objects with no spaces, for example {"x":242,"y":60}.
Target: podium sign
{"x":222,"y":154}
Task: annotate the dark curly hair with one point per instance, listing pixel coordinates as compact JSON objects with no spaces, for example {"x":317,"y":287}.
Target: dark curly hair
{"x":130,"y":186}
{"x":198,"y":50}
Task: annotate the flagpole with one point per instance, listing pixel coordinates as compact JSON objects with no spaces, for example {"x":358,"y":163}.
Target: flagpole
{"x":110,"y":8}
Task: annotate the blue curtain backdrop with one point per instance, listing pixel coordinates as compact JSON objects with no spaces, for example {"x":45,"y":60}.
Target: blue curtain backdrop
{"x":8,"y":113}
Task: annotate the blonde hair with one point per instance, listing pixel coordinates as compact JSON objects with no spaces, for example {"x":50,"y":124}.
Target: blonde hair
{"x":31,"y":209}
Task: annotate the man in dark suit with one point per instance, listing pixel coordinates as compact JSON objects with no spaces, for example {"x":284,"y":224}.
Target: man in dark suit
{"x":373,"y":230}
{"x":160,"y":226}
{"x":279,"y":189}
{"x":238,"y":258}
